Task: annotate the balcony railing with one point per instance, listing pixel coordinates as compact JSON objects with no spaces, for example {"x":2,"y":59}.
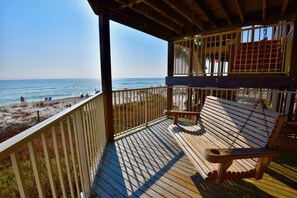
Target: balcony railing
{"x":137,"y":107}
{"x":58,"y":156}
{"x":192,"y":99}
{"x":249,"y":50}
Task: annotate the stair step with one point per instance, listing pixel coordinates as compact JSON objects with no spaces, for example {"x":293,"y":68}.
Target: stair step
{"x":258,"y":57}
{"x":262,"y":42}
{"x":256,"y":70}
{"x":259,"y":49}
{"x":273,"y":65}
{"x":255,"y":58}
{"x":258,"y":62}
{"x":260,"y":46}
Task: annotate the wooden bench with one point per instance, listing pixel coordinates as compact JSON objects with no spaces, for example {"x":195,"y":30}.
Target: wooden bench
{"x":231,"y":140}
{"x":177,"y":114}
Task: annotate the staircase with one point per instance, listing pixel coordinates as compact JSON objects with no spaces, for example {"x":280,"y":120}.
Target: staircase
{"x":257,"y":57}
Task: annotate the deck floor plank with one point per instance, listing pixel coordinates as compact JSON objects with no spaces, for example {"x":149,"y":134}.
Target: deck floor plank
{"x":168,"y":179}
{"x":149,"y":163}
{"x":160,"y":160}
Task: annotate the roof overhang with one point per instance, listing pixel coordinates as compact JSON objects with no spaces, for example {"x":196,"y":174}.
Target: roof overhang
{"x":174,"y":19}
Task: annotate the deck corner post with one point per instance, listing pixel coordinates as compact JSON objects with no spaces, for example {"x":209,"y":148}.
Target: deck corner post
{"x":105,"y":58}
{"x":82,"y":151}
{"x":293,"y":72}
{"x":170,"y":68}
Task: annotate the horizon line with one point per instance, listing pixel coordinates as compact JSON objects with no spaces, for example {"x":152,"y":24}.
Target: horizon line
{"x":81,"y":78}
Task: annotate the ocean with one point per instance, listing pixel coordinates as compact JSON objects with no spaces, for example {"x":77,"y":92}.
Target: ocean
{"x":37,"y":90}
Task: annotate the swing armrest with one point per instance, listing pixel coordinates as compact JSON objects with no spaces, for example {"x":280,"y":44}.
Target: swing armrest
{"x":215,"y":155}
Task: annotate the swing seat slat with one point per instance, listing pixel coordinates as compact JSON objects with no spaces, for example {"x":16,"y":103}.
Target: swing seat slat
{"x":231,"y":140}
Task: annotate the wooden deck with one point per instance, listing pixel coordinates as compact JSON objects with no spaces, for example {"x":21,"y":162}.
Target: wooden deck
{"x":149,"y":163}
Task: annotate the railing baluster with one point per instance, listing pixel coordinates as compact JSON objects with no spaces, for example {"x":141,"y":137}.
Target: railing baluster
{"x":48,"y":165}
{"x":72,"y":156}
{"x":97,"y":129}
{"x":92,"y":144}
{"x":18,"y":174}
{"x":86,"y":137}
{"x":58,"y":161}
{"x":35,"y":167}
{"x":146,"y":106}
{"x":78,"y":153}
{"x":129,"y":110}
{"x":66,"y":158}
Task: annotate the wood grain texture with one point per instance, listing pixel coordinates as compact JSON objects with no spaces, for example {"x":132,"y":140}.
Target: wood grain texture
{"x":227,"y":126}
{"x":149,"y":163}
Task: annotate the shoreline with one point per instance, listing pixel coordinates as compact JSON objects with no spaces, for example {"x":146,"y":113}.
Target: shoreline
{"x":18,"y":117}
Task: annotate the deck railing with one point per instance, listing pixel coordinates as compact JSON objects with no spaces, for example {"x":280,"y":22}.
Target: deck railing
{"x":252,"y":50}
{"x":192,"y":99}
{"x":57,"y":157}
{"x":137,"y":107}
{"x":60,"y":156}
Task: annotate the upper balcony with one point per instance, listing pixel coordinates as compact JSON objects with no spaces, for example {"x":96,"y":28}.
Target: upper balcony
{"x":250,"y":50}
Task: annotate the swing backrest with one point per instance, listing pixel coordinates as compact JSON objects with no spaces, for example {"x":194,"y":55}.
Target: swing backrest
{"x":239,"y":125}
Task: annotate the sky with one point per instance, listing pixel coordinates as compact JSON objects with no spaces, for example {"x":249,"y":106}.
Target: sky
{"x":45,"y":39}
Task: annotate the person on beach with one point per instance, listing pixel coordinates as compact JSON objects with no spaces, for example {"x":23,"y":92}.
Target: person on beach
{"x":22,"y":99}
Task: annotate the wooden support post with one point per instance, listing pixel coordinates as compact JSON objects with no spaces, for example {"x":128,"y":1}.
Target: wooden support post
{"x":293,"y":67}
{"x":104,"y":32}
{"x":189,"y":99}
{"x":293,"y":71}
{"x":38,"y":117}
{"x":291,"y":107}
{"x":191,"y":60}
{"x":170,"y":65}
{"x":189,"y":96}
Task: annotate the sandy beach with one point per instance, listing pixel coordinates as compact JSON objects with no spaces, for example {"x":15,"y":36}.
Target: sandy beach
{"x":16,"y":118}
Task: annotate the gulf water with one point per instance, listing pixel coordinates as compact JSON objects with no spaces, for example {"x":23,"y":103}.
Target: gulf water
{"x":37,"y":90}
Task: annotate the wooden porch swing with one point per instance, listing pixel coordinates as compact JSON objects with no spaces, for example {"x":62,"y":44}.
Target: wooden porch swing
{"x":231,"y":140}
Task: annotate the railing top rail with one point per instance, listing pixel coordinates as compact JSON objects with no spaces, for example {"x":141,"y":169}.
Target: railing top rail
{"x":233,"y":89}
{"x":138,"y":89}
{"x":235,"y":30}
{"x":24,"y":137}
{"x":269,"y":25}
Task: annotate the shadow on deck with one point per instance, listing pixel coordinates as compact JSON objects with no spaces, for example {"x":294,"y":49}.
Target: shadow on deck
{"x":149,"y":163}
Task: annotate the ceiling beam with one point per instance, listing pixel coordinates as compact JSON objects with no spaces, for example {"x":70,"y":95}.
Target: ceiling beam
{"x":129,"y":3}
{"x":284,"y":7}
{"x":207,"y":12}
{"x":240,"y":10}
{"x":225,"y":11}
{"x":264,"y":10}
{"x":183,"y":10}
{"x":157,"y":17}
{"x":144,"y":10}
{"x":165,"y":11}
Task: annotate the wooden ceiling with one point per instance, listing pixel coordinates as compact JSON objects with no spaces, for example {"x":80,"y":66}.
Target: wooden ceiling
{"x":173,"y":19}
